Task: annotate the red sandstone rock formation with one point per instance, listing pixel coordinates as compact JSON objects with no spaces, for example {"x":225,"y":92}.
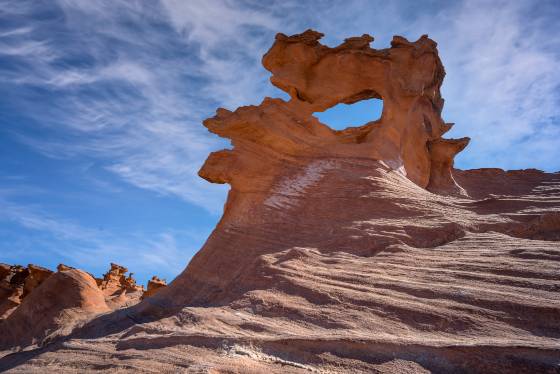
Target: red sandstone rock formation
{"x":360,"y":250}
{"x":63,"y":267}
{"x":281,"y":152}
{"x":119,"y":289}
{"x":37,"y":275}
{"x":362,"y":238}
{"x":11,"y":288}
{"x":154,"y":285}
{"x":55,"y":306}
{"x":16,"y":282}
{"x":408,"y":77}
{"x":59,"y":312}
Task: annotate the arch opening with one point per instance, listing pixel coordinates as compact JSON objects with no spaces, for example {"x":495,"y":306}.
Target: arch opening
{"x":342,"y":116}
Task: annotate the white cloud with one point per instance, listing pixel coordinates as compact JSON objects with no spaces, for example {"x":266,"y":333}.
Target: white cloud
{"x":134,"y":110}
{"x":230,"y":39}
{"x":93,"y":249}
{"x":26,"y":217}
{"x":502,"y":87}
{"x":215,"y":23}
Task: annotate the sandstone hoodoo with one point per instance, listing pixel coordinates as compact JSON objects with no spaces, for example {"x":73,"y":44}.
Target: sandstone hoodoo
{"x":154,"y":285}
{"x":360,"y":250}
{"x":119,"y":289}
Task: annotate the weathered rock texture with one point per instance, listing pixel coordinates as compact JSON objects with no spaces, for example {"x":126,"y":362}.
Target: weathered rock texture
{"x":11,"y":288}
{"x":29,"y":313}
{"x":360,"y":250}
{"x":154,"y":285}
{"x":16,"y":282}
{"x":119,"y":289}
{"x":61,"y":301}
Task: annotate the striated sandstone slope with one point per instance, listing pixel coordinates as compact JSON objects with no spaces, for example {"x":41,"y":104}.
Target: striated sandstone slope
{"x":360,"y":250}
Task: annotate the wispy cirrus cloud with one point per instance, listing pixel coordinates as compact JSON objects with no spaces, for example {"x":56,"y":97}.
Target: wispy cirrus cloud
{"x":502,"y":86}
{"x":27,"y":217}
{"x":138,"y":87}
{"x":133,"y":107}
{"x":230,"y":39}
{"x":69,"y":242}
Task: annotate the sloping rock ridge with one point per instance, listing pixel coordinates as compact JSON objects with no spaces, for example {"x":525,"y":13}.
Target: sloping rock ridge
{"x":37,"y":304}
{"x":358,"y":251}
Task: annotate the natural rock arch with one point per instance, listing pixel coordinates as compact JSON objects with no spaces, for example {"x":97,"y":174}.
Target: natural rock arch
{"x":281,"y":152}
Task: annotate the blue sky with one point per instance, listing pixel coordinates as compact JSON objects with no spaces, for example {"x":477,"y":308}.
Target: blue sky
{"x":101,"y":105}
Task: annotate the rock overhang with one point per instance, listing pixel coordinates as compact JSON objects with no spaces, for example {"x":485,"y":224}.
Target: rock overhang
{"x":408,"y":136}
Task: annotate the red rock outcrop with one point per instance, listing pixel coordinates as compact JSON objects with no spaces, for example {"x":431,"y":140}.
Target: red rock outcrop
{"x":361,"y":242}
{"x":154,"y":285}
{"x":11,"y":288}
{"x":37,"y":275}
{"x":281,"y":152}
{"x":63,"y":267}
{"x":359,"y":250}
{"x":16,"y":282}
{"x":119,"y":289}
{"x":408,"y":77}
{"x":55,"y":306}
{"x":31,"y":313}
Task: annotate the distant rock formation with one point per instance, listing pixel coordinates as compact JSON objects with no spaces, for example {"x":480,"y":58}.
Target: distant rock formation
{"x":37,"y":275}
{"x":115,"y":281}
{"x":360,"y":250}
{"x":67,"y":296}
{"x":154,"y":285}
{"x":16,"y":282}
{"x":62,"y":300}
{"x":11,"y":288}
{"x":119,"y":289}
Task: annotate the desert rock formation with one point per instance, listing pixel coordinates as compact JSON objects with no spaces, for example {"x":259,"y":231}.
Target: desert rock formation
{"x":119,"y":289}
{"x":63,"y":299}
{"x":361,"y":250}
{"x":154,"y":285}
{"x":16,"y":282}
{"x":12,"y":279}
{"x":29,"y":312}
